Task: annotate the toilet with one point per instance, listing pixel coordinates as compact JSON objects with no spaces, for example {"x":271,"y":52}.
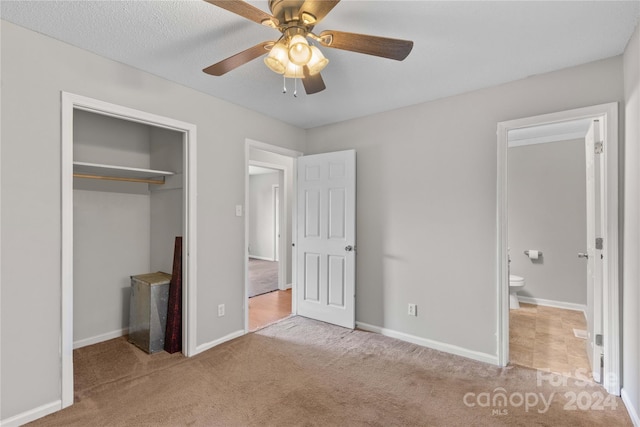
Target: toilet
{"x":516,"y":283}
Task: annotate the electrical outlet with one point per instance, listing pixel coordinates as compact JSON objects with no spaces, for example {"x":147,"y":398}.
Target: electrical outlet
{"x":413,"y":310}
{"x":220,"y":310}
{"x":238,"y":210}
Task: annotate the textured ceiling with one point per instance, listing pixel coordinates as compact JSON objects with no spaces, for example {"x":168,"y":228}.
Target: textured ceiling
{"x":458,"y":47}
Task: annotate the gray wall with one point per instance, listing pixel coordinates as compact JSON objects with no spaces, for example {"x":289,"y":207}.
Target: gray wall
{"x":167,"y":200}
{"x":548,"y":212}
{"x":111,"y":242}
{"x":631,"y":261}
{"x":426,"y":202}
{"x":261,"y":216}
{"x":31,"y":210}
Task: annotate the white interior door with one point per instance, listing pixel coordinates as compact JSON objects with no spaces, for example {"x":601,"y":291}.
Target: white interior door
{"x":594,"y":254}
{"x":326,"y":237}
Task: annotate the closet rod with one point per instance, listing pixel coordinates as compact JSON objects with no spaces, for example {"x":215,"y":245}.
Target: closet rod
{"x":118,"y":178}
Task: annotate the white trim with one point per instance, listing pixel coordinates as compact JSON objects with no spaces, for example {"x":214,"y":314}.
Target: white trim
{"x":209,"y":345}
{"x":32,"y":414}
{"x":611,"y":310}
{"x":266,"y":165}
{"x":100,"y":338}
{"x":502,"y":249}
{"x":69,"y":103}
{"x":555,"y":304}
{"x":66,"y":182}
{"x":546,"y":139}
{"x":272,"y":149}
{"x":436,"y":345}
{"x":284,"y":231}
{"x":263,"y":258}
{"x":277,"y":225}
{"x":633,"y":414}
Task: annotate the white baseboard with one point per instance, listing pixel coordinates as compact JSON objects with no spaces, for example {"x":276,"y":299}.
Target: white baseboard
{"x":32,"y":415}
{"x":206,"y":346}
{"x":99,"y":338}
{"x":436,"y":345}
{"x":633,"y":412}
{"x":551,"y":303}
{"x":287,"y":286}
{"x":264,"y":258}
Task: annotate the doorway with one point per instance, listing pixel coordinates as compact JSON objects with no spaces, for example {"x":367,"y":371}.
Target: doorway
{"x":269,"y":297}
{"x":547,"y":229}
{"x":269,"y":225}
{"x":74,"y":104}
{"x":608,"y":297}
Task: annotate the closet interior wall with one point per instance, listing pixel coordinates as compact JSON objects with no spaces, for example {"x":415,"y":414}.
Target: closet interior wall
{"x":120,"y":228}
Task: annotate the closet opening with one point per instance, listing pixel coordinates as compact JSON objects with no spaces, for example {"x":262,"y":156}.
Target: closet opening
{"x":127,"y":211}
{"x":128,"y":186}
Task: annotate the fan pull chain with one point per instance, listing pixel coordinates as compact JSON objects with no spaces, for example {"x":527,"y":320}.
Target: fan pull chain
{"x":295,"y":86}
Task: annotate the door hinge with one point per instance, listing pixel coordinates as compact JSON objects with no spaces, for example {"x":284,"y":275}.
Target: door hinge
{"x":599,"y":340}
{"x":601,"y":369}
{"x":598,"y":148}
{"x":599,"y":242}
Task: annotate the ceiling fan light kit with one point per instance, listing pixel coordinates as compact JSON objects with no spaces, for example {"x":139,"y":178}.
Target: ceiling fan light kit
{"x":299,"y":50}
{"x":292,"y":55}
{"x":278,"y":58}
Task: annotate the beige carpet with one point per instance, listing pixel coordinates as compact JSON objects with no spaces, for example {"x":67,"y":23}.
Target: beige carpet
{"x":302,"y":372}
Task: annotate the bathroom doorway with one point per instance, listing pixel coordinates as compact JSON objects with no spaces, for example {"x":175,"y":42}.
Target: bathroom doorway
{"x":542,"y":186}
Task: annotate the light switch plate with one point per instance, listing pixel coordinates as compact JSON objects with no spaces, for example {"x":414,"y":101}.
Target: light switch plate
{"x":238,"y":210}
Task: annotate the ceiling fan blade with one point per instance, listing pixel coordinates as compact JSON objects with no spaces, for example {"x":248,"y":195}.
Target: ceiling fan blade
{"x":319,"y":9}
{"x":312,"y":83}
{"x":371,"y":45}
{"x":237,"y":60}
{"x":245,"y":10}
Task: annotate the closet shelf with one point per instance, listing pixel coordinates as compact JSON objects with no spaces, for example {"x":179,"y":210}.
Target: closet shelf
{"x":119,"y":173}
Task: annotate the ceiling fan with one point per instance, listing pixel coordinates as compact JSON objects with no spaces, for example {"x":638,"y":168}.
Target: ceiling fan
{"x":292,"y":55}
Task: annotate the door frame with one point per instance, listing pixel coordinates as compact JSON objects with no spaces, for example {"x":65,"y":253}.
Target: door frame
{"x":608,"y":113}
{"x":277,"y":226}
{"x":69,"y":103}
{"x":282,"y":264}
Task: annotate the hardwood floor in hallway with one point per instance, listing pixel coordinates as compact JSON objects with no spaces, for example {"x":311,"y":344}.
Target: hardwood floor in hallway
{"x":268,"y":308}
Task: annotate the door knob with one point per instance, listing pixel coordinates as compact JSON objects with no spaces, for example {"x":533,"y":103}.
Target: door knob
{"x":348,"y":248}
{"x":583,"y":255}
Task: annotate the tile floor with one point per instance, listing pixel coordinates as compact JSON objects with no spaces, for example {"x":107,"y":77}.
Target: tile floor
{"x":543,"y":338}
